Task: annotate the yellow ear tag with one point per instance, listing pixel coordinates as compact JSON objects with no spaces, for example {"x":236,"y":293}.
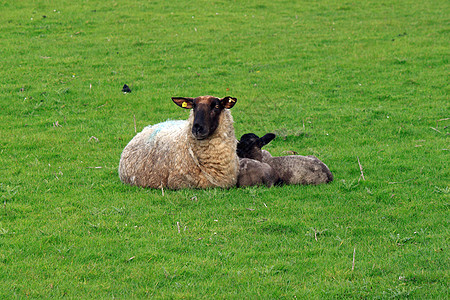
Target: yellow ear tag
{"x":231,"y":100}
{"x":184,"y":105}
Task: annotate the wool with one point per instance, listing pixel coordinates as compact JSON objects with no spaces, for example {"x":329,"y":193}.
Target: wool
{"x":167,"y":155}
{"x":291,"y":169}
{"x":297,"y":169}
{"x":253,"y":172}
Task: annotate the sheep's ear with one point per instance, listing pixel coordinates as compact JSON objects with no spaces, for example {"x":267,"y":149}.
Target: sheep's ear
{"x":183,"y":102}
{"x":266,"y":139}
{"x":228,"y":102}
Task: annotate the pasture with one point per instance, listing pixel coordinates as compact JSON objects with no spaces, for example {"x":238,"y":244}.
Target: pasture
{"x":361,"y":85}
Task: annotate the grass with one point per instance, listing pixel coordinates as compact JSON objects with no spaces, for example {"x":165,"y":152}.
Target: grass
{"x":341,"y":81}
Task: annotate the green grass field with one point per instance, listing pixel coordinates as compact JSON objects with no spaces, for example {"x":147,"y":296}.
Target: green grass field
{"x":343,"y":81}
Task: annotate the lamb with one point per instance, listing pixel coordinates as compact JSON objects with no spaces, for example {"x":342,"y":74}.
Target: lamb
{"x":254,"y":172}
{"x":292,"y":169}
{"x":199,"y":152}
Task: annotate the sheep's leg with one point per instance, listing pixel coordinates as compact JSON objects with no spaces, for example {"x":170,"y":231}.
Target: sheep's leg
{"x":179,"y":182}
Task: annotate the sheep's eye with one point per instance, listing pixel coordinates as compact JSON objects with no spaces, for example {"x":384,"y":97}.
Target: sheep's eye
{"x":217,"y":106}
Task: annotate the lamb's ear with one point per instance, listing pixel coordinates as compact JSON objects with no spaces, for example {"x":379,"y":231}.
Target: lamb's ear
{"x":228,"y":102}
{"x":183,"y":102}
{"x":266,"y":139}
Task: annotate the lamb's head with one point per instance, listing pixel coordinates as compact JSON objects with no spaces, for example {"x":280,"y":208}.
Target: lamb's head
{"x":250,"y":145}
{"x":207,"y":110}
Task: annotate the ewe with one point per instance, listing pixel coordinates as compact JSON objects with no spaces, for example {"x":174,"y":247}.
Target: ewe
{"x":196,"y":153}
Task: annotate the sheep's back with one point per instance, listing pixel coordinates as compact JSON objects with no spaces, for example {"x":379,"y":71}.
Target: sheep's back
{"x":153,"y":153}
{"x":297,"y":169}
{"x":253,"y":172}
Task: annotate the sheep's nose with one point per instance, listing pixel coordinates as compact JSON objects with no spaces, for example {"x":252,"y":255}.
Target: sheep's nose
{"x":199,"y":131}
{"x":197,"y":128}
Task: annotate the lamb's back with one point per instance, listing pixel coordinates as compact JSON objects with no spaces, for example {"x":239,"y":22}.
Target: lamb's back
{"x":297,"y":169}
{"x":253,"y":172}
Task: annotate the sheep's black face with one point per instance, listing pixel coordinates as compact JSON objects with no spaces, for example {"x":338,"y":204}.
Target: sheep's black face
{"x":207,"y":110}
{"x":206,"y":117}
{"x":247,"y":147}
{"x":250,"y":145}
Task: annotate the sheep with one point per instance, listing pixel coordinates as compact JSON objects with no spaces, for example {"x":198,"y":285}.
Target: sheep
{"x":292,"y":169}
{"x":254,"y":172}
{"x":249,"y":146}
{"x":199,"y":152}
